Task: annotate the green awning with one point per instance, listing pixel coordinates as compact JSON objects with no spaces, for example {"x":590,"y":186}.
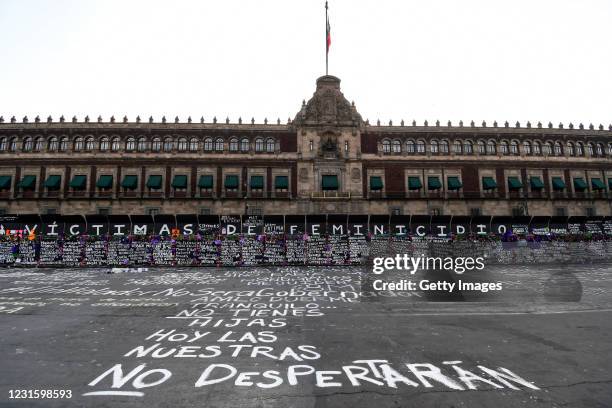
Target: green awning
{"x":28,"y":183}
{"x":53,"y":182}
{"x":257,"y":182}
{"x":414,"y":183}
{"x":281,"y":182}
{"x":79,"y":182}
{"x":558,"y":184}
{"x":454,"y":183}
{"x":536,"y":183}
{"x":329,"y":182}
{"x":130,"y":182}
{"x":514,"y":183}
{"x":610,"y":183}
{"x":154,"y":182}
{"x":179,"y":181}
{"x":597,"y":184}
{"x":579,"y":184}
{"x":489,"y":183}
{"x":105,"y":181}
{"x":231,"y":181}
{"x":5,"y":182}
{"x":433,"y":183}
{"x":376,"y":183}
{"x":206,"y":181}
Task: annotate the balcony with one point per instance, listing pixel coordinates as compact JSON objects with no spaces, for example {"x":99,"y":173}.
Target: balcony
{"x":330,"y":195}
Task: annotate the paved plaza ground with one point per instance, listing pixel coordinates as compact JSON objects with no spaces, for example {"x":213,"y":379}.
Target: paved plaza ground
{"x":306,"y":337}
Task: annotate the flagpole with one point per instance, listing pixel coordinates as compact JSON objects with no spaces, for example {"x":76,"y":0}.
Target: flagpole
{"x":326,"y":43}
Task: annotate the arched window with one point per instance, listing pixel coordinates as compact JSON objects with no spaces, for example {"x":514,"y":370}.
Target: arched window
{"x":259,"y":145}
{"x":219,"y":145}
{"x":444,"y":146}
{"x":130,"y":145}
{"x":590,"y":149}
{"x":420,"y":146}
{"x":491,"y":147}
{"x":233,"y":144}
{"x":396,"y":146}
{"x":558,"y":149}
{"x":579,"y":149}
{"x":63,"y":145}
{"x":468,"y":147}
{"x":38,"y":144}
{"x":482,"y":147}
{"x":504,"y":148}
{"x":27,"y":144}
{"x":13,"y":144}
{"x":457,"y":147}
{"x":547,"y":148}
{"x":410,"y":147}
{"x":115,"y":144}
{"x":270,"y":145}
{"x":527,"y":147}
{"x":193,"y":144}
{"x":609,"y":149}
{"x":104,"y":144}
{"x":78,"y":144}
{"x":2,"y":144}
{"x":433,"y":146}
{"x":142,"y":144}
{"x":386,"y":146}
{"x":182,"y":144}
{"x":570,"y":149}
{"x":156,"y":144}
{"x":168,"y":144}
{"x":208,"y":144}
{"x":537,"y":148}
{"x":89,"y":144}
{"x":514,"y":147}
{"x":244,"y":145}
{"x":51,"y":146}
{"x":600,"y":149}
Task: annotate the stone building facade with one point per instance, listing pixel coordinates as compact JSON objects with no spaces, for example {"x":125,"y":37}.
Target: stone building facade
{"x":326,"y":160}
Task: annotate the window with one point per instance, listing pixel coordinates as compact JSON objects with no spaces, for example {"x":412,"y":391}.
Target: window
{"x":558,"y":149}
{"x":104,"y":144}
{"x":609,"y":149}
{"x":259,"y":145}
{"x":396,"y":211}
{"x":396,"y":147}
{"x":78,"y":144}
{"x":386,"y":145}
{"x":168,"y":144}
{"x":491,"y":148}
{"x":475,"y":212}
{"x":410,"y":148}
{"x":434,"y":146}
{"x":527,"y":147}
{"x":38,"y":144}
{"x":590,"y":149}
{"x":600,"y":149}
{"x":547,"y":148}
{"x":103,"y":211}
{"x":156,"y":144}
{"x":589,"y":211}
{"x":193,"y":145}
{"x":142,"y":144}
{"x":130,"y":145}
{"x":233,"y":145}
{"x":3,"y":144}
{"x":467,"y":147}
{"x":219,"y":145}
{"x":13,"y":144}
{"x":270,"y":145}
{"x":514,"y":147}
{"x":205,"y":210}
{"x":579,"y":149}
{"x":444,"y":146}
{"x":311,"y":145}
{"x":89,"y":144}
{"x":182,"y":144}
{"x":152,"y":211}
{"x":51,"y":146}
{"x":63,"y":145}
{"x":518,"y":211}
{"x":435,"y":211}
{"x":115,"y":144}
{"x":346,"y":146}
{"x":537,"y":149}
{"x":420,"y":146}
{"x":27,"y":144}
{"x":560,"y":212}
{"x":504,"y":148}
{"x":457,"y":147}
{"x":570,"y":149}
{"x":245,"y":145}
{"x":208,"y":144}
{"x":482,"y":147}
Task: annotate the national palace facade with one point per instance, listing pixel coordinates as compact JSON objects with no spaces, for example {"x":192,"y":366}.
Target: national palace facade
{"x":325,"y":160}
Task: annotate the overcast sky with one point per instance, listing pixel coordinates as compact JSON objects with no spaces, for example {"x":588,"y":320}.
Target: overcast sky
{"x":444,"y":59}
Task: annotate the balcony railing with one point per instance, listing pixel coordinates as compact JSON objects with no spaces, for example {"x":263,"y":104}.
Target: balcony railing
{"x":322,"y":195}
